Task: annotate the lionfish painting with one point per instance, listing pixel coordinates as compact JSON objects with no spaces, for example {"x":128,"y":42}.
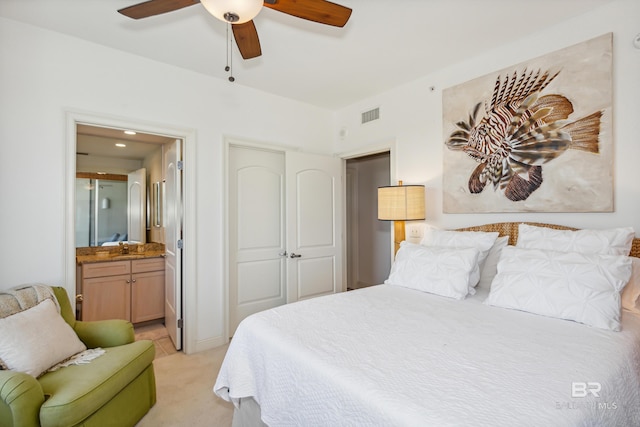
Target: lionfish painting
{"x":521,"y":130}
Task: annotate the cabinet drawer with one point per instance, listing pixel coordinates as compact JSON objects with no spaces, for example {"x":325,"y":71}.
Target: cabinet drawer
{"x":148,"y":264}
{"x":102,"y":269}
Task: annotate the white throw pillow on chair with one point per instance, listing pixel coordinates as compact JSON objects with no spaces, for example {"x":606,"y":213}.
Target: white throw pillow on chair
{"x":36,"y":339}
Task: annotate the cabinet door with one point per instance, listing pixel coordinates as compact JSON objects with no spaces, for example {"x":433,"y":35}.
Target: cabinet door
{"x":147,"y":296}
{"x":106,"y":298}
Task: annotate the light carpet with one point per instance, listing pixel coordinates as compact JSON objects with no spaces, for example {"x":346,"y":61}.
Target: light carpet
{"x":185,"y":397}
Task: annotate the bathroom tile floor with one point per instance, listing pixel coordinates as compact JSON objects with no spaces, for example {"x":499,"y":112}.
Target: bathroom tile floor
{"x":158,"y":334}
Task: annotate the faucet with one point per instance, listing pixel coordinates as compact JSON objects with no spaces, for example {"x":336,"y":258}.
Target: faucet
{"x":124,"y":247}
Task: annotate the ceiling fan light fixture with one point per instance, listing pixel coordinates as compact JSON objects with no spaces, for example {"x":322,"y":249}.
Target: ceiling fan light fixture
{"x":233,"y":11}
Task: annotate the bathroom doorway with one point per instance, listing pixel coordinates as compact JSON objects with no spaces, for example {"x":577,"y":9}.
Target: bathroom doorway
{"x":186,"y":308}
{"x":368,"y":248}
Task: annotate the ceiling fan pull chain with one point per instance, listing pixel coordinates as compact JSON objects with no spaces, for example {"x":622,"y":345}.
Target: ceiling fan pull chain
{"x":229,"y":66}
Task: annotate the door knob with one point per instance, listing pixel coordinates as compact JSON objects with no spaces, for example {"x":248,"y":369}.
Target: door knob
{"x":283,"y":253}
{"x":295,"y":255}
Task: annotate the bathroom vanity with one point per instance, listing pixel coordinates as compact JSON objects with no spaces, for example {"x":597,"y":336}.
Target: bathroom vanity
{"x":121,"y":286}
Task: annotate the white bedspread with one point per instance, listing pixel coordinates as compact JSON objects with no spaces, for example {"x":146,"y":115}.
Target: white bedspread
{"x":390,"y":356}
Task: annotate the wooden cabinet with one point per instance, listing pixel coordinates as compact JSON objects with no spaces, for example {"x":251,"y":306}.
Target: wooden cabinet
{"x":132,"y":290}
{"x":147,"y":289}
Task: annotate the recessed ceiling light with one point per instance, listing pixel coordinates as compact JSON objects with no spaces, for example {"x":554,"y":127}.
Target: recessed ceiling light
{"x":129,"y":132}
{"x":119,"y":144}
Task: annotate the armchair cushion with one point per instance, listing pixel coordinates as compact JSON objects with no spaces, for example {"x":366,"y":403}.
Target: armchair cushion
{"x":78,"y":391}
{"x":35,"y":339}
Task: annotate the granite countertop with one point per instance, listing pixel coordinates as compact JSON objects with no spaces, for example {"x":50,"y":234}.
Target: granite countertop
{"x":112,"y":253}
{"x":106,"y":257}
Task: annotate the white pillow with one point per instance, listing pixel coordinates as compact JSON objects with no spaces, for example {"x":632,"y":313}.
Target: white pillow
{"x":36,"y":339}
{"x":615,"y":241}
{"x":631,"y":292}
{"x":443,"y":271}
{"x":480,"y":240}
{"x":566,"y":285}
{"x":489,"y":269}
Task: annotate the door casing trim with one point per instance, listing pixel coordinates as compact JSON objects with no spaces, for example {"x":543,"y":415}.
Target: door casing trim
{"x":189,"y":277}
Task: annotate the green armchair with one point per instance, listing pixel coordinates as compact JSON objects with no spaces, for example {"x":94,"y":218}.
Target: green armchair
{"x":116,"y":389}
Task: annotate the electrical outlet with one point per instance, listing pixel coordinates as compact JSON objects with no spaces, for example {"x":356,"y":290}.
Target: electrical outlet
{"x":415,"y":231}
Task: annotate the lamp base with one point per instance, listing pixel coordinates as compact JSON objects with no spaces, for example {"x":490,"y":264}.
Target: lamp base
{"x":398,"y":235}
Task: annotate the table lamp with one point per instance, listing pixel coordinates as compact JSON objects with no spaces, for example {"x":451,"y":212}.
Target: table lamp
{"x":400,"y":203}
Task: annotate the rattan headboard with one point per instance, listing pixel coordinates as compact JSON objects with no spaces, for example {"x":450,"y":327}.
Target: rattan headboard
{"x":511,"y":229}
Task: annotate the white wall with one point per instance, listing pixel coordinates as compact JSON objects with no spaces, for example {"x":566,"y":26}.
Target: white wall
{"x":412,"y":116}
{"x":44,"y":74}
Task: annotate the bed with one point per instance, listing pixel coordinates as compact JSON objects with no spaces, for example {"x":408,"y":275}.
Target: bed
{"x":393,"y":355}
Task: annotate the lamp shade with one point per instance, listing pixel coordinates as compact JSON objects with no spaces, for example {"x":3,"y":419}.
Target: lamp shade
{"x":401,"y":203}
{"x":234,"y":11}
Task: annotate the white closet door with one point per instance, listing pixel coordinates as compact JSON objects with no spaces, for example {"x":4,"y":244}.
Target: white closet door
{"x":257,"y":260}
{"x":314,"y":225}
{"x":284,"y":229}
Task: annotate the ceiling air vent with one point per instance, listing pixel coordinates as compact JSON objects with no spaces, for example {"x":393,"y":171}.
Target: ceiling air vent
{"x":371,"y":115}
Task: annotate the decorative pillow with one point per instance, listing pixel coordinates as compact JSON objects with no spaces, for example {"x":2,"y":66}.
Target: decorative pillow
{"x":36,"y":339}
{"x":444,"y":271}
{"x":566,"y":285}
{"x":631,"y":292}
{"x":480,"y":240}
{"x":489,"y":269}
{"x":615,"y":241}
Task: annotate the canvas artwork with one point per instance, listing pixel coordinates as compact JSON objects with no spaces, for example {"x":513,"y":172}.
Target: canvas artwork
{"x":534,"y":137}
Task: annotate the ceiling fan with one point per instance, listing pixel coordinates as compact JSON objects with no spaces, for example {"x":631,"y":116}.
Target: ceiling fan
{"x":240,"y":14}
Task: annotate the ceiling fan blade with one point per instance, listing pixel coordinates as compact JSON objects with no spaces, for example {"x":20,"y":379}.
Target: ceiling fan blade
{"x":155,"y":7}
{"x":321,"y":11}
{"x":247,"y":39}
